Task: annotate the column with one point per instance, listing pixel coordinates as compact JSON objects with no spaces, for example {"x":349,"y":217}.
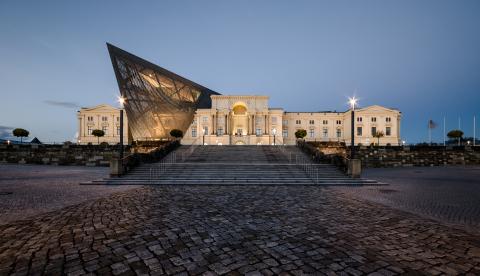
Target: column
{"x":214,"y":131}
{"x":253,"y":124}
{"x":265,"y":124}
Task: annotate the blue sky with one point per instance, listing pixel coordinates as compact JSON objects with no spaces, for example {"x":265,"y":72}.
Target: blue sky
{"x":422,"y":57}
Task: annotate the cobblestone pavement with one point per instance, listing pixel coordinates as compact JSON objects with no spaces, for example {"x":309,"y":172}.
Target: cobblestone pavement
{"x":29,"y":190}
{"x":234,"y":230}
{"x":448,"y":194}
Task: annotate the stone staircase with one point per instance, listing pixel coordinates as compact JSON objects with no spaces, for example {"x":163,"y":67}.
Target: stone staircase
{"x":236,"y":165}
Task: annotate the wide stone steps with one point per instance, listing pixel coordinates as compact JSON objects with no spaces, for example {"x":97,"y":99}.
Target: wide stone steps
{"x":236,"y":165}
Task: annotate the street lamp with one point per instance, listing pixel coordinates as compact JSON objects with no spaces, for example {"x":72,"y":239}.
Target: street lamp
{"x":403,"y":142}
{"x":352,"y":101}
{"x":121,"y":101}
{"x":203,"y":132}
{"x":274,"y":133}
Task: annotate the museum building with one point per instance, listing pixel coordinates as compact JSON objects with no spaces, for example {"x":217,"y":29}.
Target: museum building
{"x":158,"y":100}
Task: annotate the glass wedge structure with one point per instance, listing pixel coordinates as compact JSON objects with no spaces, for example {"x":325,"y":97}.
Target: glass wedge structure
{"x":157,"y":100}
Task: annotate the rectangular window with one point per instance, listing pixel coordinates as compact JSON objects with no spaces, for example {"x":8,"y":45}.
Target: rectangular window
{"x":298,"y":122}
{"x":220,"y":131}
{"x":285,"y":133}
{"x":205,"y":130}
{"x":388,"y":131}
{"x":374,"y":130}
{"x":118,"y":119}
{"x":359,"y":119}
{"x":194,"y":132}
{"x":104,"y":118}
{"x":205,"y":119}
{"x":325,"y":122}
{"x":388,"y":119}
{"x":274,"y":120}
{"x":194,"y":122}
{"x":90,"y":118}
{"x":285,"y":122}
{"x":359,"y":131}
{"x":325,"y":133}
{"x":118,"y":131}
{"x":312,"y":122}
{"x":339,"y":133}
{"x":374,"y":119}
{"x":312,"y":133}
{"x":105,"y":130}
{"x":89,"y":131}
{"x":339,"y":122}
{"x":258,"y":131}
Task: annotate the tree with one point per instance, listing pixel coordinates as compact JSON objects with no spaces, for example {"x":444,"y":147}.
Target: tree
{"x":301,"y":133}
{"x":98,"y":133}
{"x":455,"y":134}
{"x":378,"y":135}
{"x":20,"y":132}
{"x":177,"y":133}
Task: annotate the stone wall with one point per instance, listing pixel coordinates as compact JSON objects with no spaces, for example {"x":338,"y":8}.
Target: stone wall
{"x":376,"y":157}
{"x":83,"y":155}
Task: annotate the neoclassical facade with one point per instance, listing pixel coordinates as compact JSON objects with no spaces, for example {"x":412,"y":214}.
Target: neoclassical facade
{"x":103,"y":117}
{"x":248,"y":120}
{"x":158,"y":100}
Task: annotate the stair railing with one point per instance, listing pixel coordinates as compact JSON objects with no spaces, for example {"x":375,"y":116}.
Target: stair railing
{"x":189,"y":151}
{"x":308,"y":167}
{"x":159,"y":168}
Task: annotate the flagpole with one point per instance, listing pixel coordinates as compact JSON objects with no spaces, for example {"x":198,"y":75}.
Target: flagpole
{"x":474,"y":128}
{"x":459,"y":128}
{"x":444,"y":144}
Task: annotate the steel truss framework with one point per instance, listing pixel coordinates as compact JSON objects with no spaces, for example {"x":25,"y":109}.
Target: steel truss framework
{"x":157,"y":100}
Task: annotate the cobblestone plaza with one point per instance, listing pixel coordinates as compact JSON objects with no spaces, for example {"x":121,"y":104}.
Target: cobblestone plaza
{"x":235,"y":230}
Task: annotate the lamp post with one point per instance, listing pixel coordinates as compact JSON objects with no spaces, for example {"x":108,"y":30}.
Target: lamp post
{"x":121,"y":101}
{"x":203,"y":140}
{"x":352,"y":102}
{"x":274,"y":134}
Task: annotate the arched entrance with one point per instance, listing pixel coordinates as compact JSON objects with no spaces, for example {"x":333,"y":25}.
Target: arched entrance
{"x":239,"y":119}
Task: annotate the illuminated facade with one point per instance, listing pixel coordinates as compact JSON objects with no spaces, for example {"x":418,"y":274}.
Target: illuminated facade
{"x":158,"y":101}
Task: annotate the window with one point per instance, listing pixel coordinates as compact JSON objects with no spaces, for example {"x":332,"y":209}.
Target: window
{"x":359,"y":131}
{"x":325,"y":122}
{"x":312,"y":122}
{"x":374,"y":119}
{"x":359,"y":119}
{"x":298,"y":122}
{"x":89,"y":130}
{"x":118,"y":131}
{"x":90,"y":118}
{"x":205,"y":130}
{"x":194,"y":122}
{"x":285,"y":122}
{"x":205,"y":119}
{"x":194,"y":132}
{"x":104,"y":118}
{"x":388,"y":131}
{"x":325,"y":132}
{"x":374,"y":130}
{"x":285,"y":132}
{"x":388,"y":119}
{"x":339,"y":122}
{"x":105,"y":129}
{"x":258,"y":131}
{"x":274,"y":120}
{"x":339,"y":133}
{"x":220,"y":131}
{"x":312,"y":133}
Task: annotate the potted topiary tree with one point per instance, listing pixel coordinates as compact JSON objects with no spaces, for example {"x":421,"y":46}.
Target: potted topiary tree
{"x":20,"y":132}
{"x":98,"y":133}
{"x":177,"y":133}
{"x":378,"y":135}
{"x":301,"y":133}
{"x":455,"y":134}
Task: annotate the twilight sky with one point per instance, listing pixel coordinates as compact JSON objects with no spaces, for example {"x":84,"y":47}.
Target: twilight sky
{"x":422,"y":57}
